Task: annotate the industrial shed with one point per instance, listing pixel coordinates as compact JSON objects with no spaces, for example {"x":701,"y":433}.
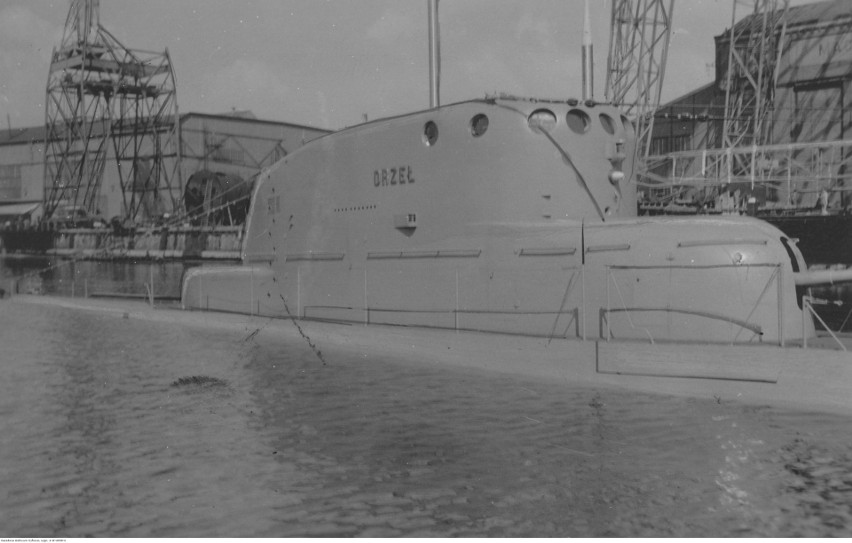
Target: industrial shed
{"x":236,"y":144}
{"x":813,"y":96}
{"x":809,"y":118}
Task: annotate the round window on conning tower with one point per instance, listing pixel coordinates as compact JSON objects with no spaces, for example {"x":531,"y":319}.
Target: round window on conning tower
{"x":628,"y":126}
{"x":608,"y":123}
{"x":542,"y":119}
{"x":478,"y":125}
{"x":430,"y":133}
{"x":578,"y":121}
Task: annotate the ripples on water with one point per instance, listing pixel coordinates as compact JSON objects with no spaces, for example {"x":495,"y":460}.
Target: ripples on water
{"x":81,"y":278}
{"x":102,"y":437}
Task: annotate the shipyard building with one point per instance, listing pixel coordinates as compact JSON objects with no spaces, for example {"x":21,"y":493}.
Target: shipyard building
{"x":235,"y":146}
{"x":808,"y":117}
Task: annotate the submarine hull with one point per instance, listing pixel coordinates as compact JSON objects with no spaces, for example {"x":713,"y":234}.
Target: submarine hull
{"x":660,"y":280}
{"x":513,"y":222}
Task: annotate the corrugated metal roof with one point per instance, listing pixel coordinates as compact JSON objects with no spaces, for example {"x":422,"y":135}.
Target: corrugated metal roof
{"x":682,"y":100}
{"x":818,"y":12}
{"x":22,"y":135}
{"x":17,"y":136}
{"x":15,"y":210}
{"x":805,"y":15}
{"x":244,"y":116}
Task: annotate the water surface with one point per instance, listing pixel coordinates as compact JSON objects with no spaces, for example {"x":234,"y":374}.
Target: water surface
{"x":106,"y":435}
{"x":84,"y":278}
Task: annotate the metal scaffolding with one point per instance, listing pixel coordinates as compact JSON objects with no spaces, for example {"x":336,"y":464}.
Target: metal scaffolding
{"x":636,"y":64}
{"x":102,"y":94}
{"x":751,"y":71}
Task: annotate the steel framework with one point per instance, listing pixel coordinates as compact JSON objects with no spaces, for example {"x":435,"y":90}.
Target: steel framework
{"x":636,"y":64}
{"x":746,"y":156}
{"x":787,"y":166}
{"x":102,"y":94}
{"x":752,"y":69}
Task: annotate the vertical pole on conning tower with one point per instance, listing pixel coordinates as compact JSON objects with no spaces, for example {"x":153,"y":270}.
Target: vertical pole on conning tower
{"x":588,"y":57}
{"x":434,"y":55}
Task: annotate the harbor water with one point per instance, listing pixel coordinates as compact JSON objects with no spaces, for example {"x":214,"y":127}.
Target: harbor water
{"x":124,"y":427}
{"x":106,"y":278}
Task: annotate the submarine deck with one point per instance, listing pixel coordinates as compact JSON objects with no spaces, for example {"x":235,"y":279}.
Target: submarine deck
{"x":819,"y":377}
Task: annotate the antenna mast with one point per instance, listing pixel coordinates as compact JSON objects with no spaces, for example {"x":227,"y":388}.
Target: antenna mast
{"x":434,"y":55}
{"x":588,"y":56}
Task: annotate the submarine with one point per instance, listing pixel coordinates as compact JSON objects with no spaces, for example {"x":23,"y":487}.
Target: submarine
{"x":507,"y":228}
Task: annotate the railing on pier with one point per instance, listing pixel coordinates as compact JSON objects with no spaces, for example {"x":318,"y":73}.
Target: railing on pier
{"x":793,"y":170}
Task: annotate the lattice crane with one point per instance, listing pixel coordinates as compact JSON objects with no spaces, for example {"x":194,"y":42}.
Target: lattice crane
{"x":640,"y":31}
{"x":750,"y":79}
{"x":101,"y":94}
{"x":751,"y":71}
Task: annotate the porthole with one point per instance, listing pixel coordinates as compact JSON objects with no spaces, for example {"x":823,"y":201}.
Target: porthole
{"x":478,"y":125}
{"x":542,"y":119}
{"x":578,"y":121}
{"x":608,"y":123}
{"x":430,"y":133}
{"x":628,"y":126}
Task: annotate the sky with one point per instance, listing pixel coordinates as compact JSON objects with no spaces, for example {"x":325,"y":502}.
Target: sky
{"x":333,"y":63}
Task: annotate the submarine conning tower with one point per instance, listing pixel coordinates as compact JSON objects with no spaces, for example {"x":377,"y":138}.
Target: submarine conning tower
{"x":482,"y":161}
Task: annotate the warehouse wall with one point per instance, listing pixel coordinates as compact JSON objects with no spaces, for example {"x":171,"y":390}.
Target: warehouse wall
{"x":224,"y":143}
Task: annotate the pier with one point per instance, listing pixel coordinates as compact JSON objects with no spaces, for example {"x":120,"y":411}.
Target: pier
{"x":155,"y":242}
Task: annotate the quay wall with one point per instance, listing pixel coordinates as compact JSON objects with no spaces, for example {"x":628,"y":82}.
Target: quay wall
{"x":218,"y":243}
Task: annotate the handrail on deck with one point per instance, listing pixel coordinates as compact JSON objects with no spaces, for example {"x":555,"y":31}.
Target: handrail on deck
{"x":755,"y":328}
{"x":808,"y":305}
